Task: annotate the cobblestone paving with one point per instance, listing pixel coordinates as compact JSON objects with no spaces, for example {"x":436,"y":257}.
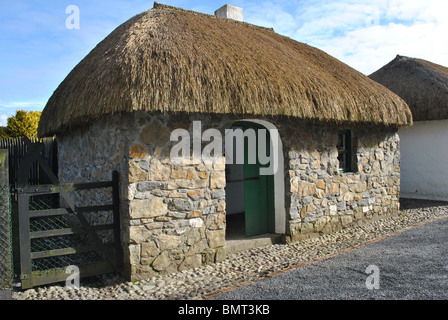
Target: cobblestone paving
{"x":244,"y":267}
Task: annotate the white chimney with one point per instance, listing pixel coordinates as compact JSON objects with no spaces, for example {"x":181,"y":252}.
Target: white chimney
{"x":230,"y":12}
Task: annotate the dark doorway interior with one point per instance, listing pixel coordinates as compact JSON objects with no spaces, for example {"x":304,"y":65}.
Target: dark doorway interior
{"x":235,"y":226}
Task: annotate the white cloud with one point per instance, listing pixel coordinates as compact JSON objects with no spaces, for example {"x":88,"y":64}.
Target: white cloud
{"x":417,"y":10}
{"x":368,"y":34}
{"x":271,"y":15}
{"x":3,"y":119}
{"x":368,"y":49}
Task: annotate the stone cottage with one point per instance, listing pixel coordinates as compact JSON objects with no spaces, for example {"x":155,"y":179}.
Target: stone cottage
{"x":169,"y":74}
{"x":424,"y":146}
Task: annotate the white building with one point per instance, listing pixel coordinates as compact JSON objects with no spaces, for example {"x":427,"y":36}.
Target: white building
{"x":424,"y":146}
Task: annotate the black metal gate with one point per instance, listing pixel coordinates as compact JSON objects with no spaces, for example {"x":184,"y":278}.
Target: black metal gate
{"x":56,"y":234}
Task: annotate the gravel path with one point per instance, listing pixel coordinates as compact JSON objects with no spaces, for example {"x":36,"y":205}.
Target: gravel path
{"x":411,"y":265}
{"x":242,"y":268}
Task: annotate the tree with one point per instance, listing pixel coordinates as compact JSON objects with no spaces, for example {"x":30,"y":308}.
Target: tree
{"x":23,"y":124}
{"x":3,"y":133}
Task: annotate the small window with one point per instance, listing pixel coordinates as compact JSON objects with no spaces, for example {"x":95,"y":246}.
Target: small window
{"x":345,"y":151}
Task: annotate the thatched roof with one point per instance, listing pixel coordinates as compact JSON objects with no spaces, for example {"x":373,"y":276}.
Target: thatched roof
{"x":422,"y":84}
{"x":173,"y":60}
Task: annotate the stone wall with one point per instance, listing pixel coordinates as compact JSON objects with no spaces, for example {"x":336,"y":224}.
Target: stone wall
{"x":323,"y":200}
{"x":91,"y":154}
{"x":176,"y":212}
{"x":173,"y":215}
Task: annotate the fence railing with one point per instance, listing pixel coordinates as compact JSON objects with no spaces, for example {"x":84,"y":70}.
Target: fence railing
{"x":18,"y":147}
{"x":6,"y":267}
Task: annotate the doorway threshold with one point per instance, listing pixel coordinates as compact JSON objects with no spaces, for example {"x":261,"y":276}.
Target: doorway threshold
{"x":264,"y":240}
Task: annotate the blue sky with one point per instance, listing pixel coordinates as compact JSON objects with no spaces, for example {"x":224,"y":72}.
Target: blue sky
{"x":37,"y":50}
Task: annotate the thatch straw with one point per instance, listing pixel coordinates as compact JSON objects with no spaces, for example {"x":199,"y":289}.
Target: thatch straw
{"x":172,"y":60}
{"x":422,"y":84}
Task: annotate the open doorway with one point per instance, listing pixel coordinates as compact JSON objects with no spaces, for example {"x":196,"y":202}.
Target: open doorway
{"x":250,"y":207}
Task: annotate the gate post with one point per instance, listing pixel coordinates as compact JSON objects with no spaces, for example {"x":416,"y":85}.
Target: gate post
{"x":117,"y":220}
{"x":6,"y":272}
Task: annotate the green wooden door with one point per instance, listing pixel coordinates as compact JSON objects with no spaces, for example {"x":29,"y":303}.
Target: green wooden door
{"x":258,"y":189}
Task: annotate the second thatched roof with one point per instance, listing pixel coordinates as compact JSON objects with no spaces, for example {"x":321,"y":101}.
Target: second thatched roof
{"x":422,"y":84}
{"x":172,"y":60}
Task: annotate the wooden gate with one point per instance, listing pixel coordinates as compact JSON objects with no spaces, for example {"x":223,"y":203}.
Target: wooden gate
{"x":55,"y":235}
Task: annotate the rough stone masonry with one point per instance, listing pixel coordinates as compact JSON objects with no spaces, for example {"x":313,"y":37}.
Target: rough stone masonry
{"x":173,"y":216}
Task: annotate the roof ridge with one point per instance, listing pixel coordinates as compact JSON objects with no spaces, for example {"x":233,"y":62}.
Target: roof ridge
{"x":158,"y":5}
{"x":420,"y":61}
{"x":165,"y":6}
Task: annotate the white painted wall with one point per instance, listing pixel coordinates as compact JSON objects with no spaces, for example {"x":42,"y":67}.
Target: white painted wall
{"x":424,"y":160}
